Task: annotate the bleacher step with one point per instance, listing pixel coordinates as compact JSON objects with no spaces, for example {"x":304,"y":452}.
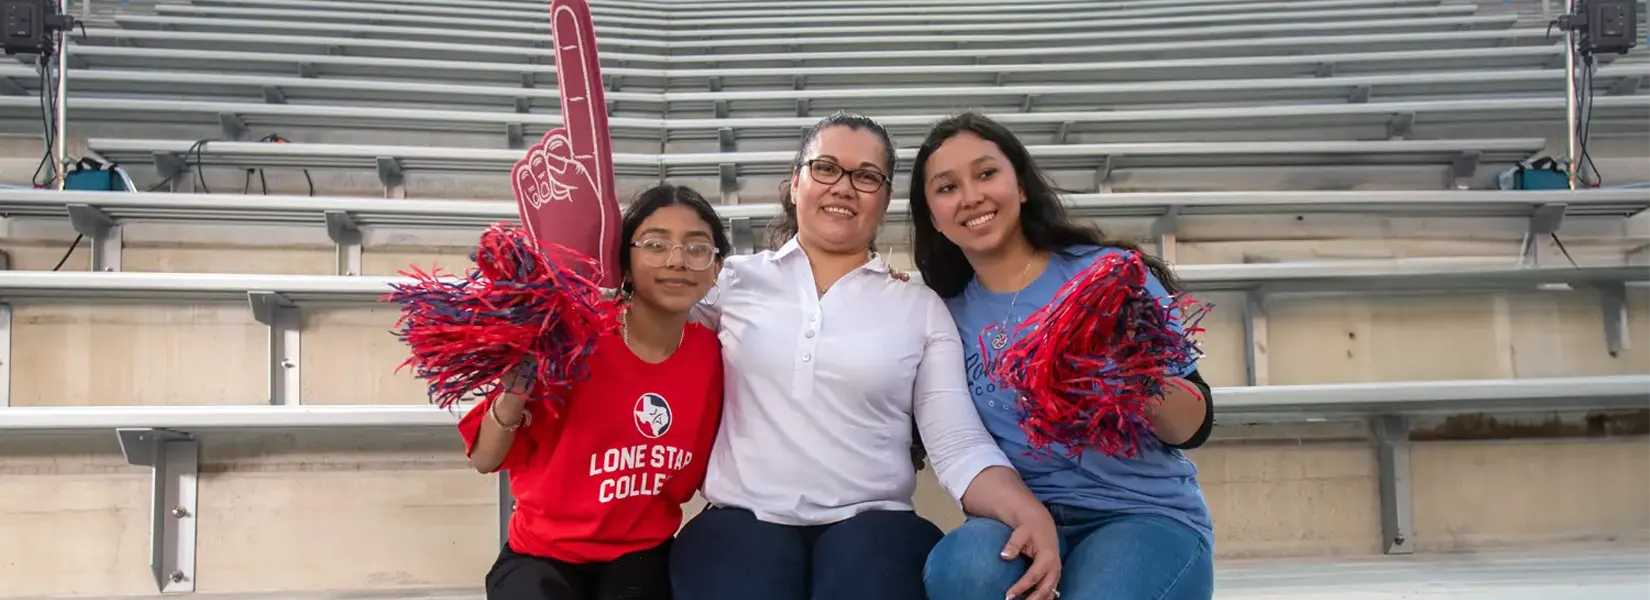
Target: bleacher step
{"x":1612,"y":572}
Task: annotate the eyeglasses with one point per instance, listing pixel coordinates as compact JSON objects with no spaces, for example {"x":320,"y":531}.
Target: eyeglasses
{"x":697,"y":256}
{"x":829,"y":173}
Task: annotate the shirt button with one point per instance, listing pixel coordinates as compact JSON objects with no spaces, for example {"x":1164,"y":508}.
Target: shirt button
{"x":810,"y":333}
{"x":813,"y":318}
{"x":807,"y":357}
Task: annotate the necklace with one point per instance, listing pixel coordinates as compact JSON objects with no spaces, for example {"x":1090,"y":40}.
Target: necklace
{"x":624,"y":331}
{"x":1000,"y":340}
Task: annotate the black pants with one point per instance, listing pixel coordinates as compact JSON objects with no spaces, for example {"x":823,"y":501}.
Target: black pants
{"x":640,"y":575}
{"x":727,"y":554}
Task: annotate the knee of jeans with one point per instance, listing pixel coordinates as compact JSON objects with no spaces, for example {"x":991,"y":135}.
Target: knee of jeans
{"x":968,"y":562}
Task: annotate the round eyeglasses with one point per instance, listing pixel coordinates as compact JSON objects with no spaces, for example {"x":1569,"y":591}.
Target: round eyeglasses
{"x":697,"y":256}
{"x":829,"y":173}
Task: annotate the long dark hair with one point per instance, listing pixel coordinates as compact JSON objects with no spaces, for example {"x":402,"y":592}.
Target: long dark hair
{"x":655,"y":198}
{"x":782,"y":229}
{"x":1043,"y":217}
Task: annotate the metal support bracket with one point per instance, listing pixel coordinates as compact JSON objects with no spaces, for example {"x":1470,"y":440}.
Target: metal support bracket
{"x":1626,"y":86}
{"x":1463,"y":168}
{"x":274,"y":95}
{"x":1613,"y":297}
{"x":727,"y":175}
{"x":1400,"y":126}
{"x":172,"y":167}
{"x":514,"y":137}
{"x":232,"y":125}
{"x":719,"y":109}
{"x":1062,"y":133}
{"x":5,"y":355}
{"x":392,"y":176}
{"x":1393,"y":468}
{"x":346,"y":238}
{"x":506,"y":507}
{"x":1255,"y":339}
{"x":715,"y":84}
{"x":174,"y":459}
{"x":1545,"y":220}
{"x":523,"y":105}
{"x":799,"y":82}
{"x":803,"y":107}
{"x":744,"y":239}
{"x":1002,"y":79}
{"x":1324,"y":70}
{"x":308,"y":70}
{"x":1102,"y":174}
{"x":281,"y":316}
{"x":726,"y":140}
{"x":104,"y":233}
{"x":528,"y":80}
{"x":1029,"y":103}
{"x":1166,"y":229}
{"x":1360,"y":94}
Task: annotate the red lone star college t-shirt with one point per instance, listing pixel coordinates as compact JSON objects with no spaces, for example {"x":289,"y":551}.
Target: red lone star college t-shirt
{"x":609,"y":477}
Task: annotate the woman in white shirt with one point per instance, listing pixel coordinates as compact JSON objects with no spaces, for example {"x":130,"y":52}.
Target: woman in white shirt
{"x":829,"y":361}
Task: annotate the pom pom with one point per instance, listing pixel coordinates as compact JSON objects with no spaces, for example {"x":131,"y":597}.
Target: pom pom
{"x":1088,"y":366}
{"x":525,"y":304}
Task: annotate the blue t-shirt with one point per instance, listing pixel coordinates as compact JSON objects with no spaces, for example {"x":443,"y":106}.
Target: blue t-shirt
{"x":1157,"y":480}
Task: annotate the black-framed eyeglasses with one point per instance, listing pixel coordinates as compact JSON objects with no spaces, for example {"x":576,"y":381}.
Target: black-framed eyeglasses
{"x":697,"y":256}
{"x":828,"y":173}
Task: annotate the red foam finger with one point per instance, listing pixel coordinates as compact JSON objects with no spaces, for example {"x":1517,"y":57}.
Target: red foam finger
{"x":579,"y":79}
{"x":577,"y":203}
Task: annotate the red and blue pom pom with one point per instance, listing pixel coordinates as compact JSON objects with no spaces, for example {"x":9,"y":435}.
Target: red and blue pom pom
{"x":1089,"y":366}
{"x":525,"y":304}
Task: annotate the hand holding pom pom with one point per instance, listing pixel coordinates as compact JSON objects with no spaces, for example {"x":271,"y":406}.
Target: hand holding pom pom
{"x":527,"y":312}
{"x":1090,"y":365}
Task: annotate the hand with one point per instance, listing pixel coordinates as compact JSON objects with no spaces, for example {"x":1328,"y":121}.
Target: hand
{"x":564,"y":186}
{"x":1036,"y":539}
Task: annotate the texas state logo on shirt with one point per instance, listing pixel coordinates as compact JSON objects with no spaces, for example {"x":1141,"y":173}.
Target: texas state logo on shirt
{"x":653,"y":416}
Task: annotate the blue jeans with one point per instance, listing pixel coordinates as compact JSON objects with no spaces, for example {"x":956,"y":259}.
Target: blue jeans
{"x":727,"y":554}
{"x":1104,"y":556}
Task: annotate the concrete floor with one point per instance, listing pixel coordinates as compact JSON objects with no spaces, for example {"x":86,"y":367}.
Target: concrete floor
{"x":1619,"y":572}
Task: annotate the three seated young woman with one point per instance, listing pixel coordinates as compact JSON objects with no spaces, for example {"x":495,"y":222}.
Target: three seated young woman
{"x":832,"y":365}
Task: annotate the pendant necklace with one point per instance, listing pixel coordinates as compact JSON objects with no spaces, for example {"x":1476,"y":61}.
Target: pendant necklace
{"x":1000,"y":340}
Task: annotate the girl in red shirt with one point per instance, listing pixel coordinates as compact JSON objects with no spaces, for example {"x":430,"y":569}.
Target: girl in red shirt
{"x":599,"y":491}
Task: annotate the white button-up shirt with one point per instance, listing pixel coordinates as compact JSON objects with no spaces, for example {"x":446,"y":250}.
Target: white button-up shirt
{"x":822,"y":390}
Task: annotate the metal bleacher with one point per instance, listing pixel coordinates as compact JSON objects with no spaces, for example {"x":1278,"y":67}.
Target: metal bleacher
{"x":1375,"y":109}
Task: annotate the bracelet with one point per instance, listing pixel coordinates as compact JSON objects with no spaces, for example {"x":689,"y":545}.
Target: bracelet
{"x":525,"y":420}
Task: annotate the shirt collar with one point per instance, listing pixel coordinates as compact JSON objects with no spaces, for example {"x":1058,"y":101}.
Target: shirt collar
{"x":876,"y":263}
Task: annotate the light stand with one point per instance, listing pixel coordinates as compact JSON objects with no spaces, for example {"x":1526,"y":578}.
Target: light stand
{"x":1590,"y":27}
{"x":40,"y":28}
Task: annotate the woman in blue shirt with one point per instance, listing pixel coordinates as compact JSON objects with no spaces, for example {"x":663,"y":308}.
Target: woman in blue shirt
{"x":993,"y":239}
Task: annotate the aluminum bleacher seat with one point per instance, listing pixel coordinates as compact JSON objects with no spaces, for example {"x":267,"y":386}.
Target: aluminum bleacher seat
{"x":1613,"y":80}
{"x":812,"y":42}
{"x":1364,"y":121}
{"x":1103,"y":20}
{"x":758,"y":78}
{"x":101,"y":216}
{"x":343,"y":44}
{"x":1455,"y":162}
